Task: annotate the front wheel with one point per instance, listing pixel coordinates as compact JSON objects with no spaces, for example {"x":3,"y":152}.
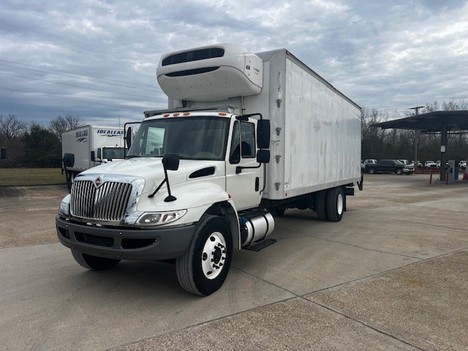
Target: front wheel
{"x":94,"y":262}
{"x":399,"y":171}
{"x":204,"y":267}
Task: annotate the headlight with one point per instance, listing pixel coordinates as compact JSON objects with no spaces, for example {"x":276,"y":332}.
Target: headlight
{"x":64,"y":209}
{"x":160,"y":218}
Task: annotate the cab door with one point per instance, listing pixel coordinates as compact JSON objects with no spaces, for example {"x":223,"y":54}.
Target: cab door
{"x":244,"y":184}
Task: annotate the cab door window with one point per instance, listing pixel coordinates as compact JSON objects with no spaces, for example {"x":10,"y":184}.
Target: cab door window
{"x":248,"y":140}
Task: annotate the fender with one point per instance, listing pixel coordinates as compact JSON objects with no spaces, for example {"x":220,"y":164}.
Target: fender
{"x":227,"y":210}
{"x":196,"y":198}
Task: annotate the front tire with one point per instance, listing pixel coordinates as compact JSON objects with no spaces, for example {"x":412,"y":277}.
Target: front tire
{"x":203,"y":269}
{"x":93,"y":262}
{"x":399,"y":171}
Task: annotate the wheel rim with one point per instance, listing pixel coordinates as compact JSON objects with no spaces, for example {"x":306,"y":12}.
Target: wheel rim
{"x":214,"y":255}
{"x":339,"y":204}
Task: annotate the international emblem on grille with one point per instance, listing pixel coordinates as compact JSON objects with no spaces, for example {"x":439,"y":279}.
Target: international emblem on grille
{"x":98,"y":182}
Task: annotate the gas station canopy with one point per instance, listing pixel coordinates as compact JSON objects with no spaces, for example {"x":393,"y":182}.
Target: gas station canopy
{"x":433,"y":122}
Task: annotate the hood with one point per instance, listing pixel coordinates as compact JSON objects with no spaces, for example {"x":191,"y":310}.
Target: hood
{"x":151,"y":171}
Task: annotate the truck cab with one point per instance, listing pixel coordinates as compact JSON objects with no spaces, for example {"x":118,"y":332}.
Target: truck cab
{"x":181,"y":173}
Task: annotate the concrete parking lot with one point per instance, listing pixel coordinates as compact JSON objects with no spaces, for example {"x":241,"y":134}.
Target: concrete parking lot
{"x":392,"y":275}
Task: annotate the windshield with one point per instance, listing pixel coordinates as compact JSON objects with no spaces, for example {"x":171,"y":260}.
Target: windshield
{"x":193,"y":138}
{"x":113,"y":153}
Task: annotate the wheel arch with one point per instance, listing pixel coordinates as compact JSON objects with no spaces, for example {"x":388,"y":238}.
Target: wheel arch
{"x":226,"y":210}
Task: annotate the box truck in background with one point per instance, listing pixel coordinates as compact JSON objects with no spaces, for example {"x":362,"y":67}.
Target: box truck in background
{"x":245,"y":137}
{"x":88,"y":146}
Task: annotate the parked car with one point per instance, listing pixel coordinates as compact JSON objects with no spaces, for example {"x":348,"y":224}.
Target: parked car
{"x":371,"y":161}
{"x":462,"y":165}
{"x":430,"y":164}
{"x":418,"y":164}
{"x":388,"y":166}
{"x":408,"y":164}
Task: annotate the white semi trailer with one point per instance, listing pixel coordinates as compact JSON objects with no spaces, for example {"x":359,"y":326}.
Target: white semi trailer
{"x":245,"y":137}
{"x":88,"y":146}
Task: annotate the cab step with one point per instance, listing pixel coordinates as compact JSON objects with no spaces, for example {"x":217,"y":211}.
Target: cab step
{"x":260,"y":245}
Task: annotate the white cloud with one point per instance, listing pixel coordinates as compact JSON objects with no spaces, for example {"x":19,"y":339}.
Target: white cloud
{"x":382,"y":54}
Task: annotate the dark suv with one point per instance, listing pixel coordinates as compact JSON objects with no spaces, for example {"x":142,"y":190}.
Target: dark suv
{"x":388,"y":166}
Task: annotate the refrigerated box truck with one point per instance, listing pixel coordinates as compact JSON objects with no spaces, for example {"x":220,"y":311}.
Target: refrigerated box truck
{"x":245,"y":137}
{"x":88,"y":146}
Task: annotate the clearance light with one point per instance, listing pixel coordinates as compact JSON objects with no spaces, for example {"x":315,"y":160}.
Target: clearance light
{"x":175,"y":115}
{"x":222,"y":114}
{"x":166,"y":115}
{"x":186,"y":113}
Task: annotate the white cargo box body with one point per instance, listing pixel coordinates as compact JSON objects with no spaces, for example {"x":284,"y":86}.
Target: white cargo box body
{"x":81,"y":141}
{"x":315,"y":129}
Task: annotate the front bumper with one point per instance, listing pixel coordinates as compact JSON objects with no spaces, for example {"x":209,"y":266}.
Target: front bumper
{"x":125,"y":243}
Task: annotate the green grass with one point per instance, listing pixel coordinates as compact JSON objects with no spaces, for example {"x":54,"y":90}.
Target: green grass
{"x":31,"y":176}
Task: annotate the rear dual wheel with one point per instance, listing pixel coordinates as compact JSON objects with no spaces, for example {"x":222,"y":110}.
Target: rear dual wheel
{"x":330,"y":204}
{"x":335,"y":204}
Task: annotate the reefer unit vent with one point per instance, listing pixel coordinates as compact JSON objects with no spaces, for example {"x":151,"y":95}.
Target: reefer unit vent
{"x":210,"y":73}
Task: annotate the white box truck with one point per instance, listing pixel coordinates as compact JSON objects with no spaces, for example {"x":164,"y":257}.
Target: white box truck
{"x":245,"y":137}
{"x":88,"y":146}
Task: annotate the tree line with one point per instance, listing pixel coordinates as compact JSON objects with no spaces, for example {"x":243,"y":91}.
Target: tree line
{"x":35,"y":145}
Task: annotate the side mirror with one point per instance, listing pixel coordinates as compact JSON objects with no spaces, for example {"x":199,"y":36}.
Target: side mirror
{"x":3,"y":153}
{"x":171,"y":162}
{"x":263,"y":156}
{"x":263,"y":134}
{"x":128,"y":137}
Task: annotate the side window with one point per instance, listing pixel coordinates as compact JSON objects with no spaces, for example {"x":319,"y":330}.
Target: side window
{"x":248,"y":140}
{"x":234,"y":154}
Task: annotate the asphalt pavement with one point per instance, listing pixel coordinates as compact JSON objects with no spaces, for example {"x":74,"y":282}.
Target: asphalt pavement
{"x":392,"y":275}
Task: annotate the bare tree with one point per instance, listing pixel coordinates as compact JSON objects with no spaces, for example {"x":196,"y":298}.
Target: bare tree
{"x":61,"y":124}
{"x":451,"y":105}
{"x":11,"y":127}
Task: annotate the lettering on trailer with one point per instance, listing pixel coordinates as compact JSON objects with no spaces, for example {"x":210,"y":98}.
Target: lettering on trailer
{"x":110,"y":132}
{"x":82,"y":136}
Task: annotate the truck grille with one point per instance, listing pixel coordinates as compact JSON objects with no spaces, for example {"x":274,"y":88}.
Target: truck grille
{"x":107,"y":202}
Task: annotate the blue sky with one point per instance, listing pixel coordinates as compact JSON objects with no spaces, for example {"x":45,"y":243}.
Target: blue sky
{"x":96,"y":60}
